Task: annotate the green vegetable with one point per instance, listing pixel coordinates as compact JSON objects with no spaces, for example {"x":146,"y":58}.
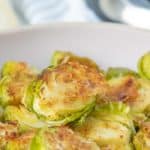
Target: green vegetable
{"x":30,"y":92}
{"x":20,"y":142}
{"x":144,"y":66}
{"x":65,"y":93}
{"x":115,"y":111}
{"x":135,"y":92}
{"x":58,"y":114}
{"x":13,"y":69}
{"x":51,"y":139}
{"x":25,"y":118}
{"x":16,"y":76}
{"x":141,"y":103}
{"x":60,"y":57}
{"x":110,"y":126}
{"x":73,"y":105}
{"x":10,"y":68}
{"x":119,"y":72}
{"x":7,"y":131}
{"x":30,"y":140}
{"x":38,"y":142}
{"x":142,"y":138}
{"x":4,"y":95}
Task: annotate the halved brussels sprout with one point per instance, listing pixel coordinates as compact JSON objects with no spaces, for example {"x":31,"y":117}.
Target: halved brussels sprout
{"x":16,"y":77}
{"x":17,"y":69}
{"x":64,"y":93}
{"x":115,"y":111}
{"x":25,"y":118}
{"x":63,"y":138}
{"x":131,"y":90}
{"x":31,"y":90}
{"x":39,"y":142}
{"x":60,"y":57}
{"x":56,"y":111}
{"x":51,"y":139}
{"x":7,"y":131}
{"x":4,"y":95}
{"x":21,"y":142}
{"x":116,"y":72}
{"x":142,"y":102}
{"x":142,"y":138}
{"x":110,"y":126}
{"x":144,"y":66}
{"x":124,"y":89}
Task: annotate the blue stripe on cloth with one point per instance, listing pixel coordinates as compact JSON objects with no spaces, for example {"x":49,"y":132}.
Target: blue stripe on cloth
{"x":41,"y":11}
{"x":45,"y":16}
{"x":41,"y":4}
{"x":28,"y":3}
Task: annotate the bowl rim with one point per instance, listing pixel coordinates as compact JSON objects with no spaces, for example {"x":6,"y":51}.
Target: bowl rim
{"x":99,"y":25}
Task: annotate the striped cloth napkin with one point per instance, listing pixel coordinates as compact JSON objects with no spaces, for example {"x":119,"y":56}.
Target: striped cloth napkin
{"x":42,"y":11}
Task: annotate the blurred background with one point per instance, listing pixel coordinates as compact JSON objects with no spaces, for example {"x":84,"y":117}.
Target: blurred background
{"x":17,"y":13}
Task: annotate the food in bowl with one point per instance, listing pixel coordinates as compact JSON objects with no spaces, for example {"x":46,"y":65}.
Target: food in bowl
{"x":74,"y":105}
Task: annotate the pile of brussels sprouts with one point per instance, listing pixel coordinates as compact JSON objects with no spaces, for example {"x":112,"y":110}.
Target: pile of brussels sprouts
{"x":74,"y":105}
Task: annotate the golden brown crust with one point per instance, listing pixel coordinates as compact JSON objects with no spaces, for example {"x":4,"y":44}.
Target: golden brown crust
{"x":22,"y":70}
{"x":66,"y":139}
{"x":85,"y":80}
{"x":57,"y":138}
{"x":126,"y":91}
{"x":8,"y":130}
{"x":24,"y":139}
{"x":70,"y":87}
{"x":18,"y":81}
{"x":21,"y":142}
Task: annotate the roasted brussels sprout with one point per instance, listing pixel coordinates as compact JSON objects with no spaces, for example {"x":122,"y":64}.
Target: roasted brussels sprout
{"x":124,"y":89}
{"x":7,"y":132}
{"x":144,"y":66}
{"x":62,"y":137}
{"x":51,"y":139}
{"x":142,"y":138}
{"x":60,"y":57}
{"x":16,"y":77}
{"x":131,"y":90}
{"x":119,"y":72}
{"x":64,"y":93}
{"x":4,"y":88}
{"x":26,"y":119}
{"x":73,"y":105}
{"x":110,"y":126}
{"x":21,"y":142}
{"x":18,"y":70}
{"x":142,"y":102}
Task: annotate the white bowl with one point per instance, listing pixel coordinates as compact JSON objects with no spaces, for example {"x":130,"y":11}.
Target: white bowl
{"x":107,"y":44}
